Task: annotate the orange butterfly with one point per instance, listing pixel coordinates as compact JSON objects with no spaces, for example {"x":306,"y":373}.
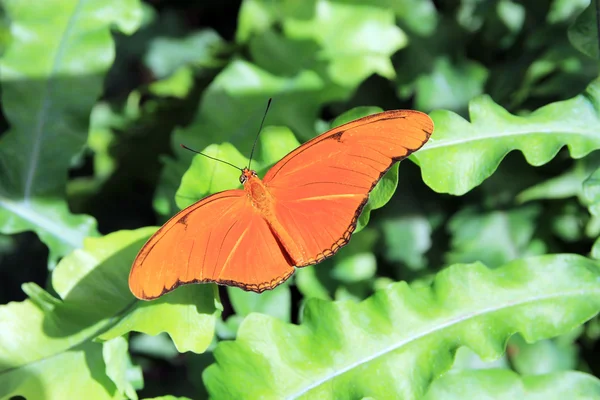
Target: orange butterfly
{"x":303,"y":211}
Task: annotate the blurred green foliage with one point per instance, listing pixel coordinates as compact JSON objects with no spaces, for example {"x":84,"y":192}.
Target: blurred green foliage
{"x":475,"y":269}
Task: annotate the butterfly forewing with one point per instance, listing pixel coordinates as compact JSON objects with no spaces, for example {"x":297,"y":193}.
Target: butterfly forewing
{"x":321,"y":187}
{"x":220,"y":239}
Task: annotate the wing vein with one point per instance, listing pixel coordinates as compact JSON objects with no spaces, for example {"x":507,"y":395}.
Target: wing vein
{"x":222,"y":243}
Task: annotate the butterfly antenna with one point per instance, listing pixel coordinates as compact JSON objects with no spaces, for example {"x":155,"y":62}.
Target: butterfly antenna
{"x":212,"y":158}
{"x":259,"y":129}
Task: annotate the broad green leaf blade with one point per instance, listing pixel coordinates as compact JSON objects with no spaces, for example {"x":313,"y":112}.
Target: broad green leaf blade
{"x":407,"y":239}
{"x":396,"y":342}
{"x":51,"y":219}
{"x":178,"y":85}
{"x":206,"y":176}
{"x":564,"y":10}
{"x":95,"y":304}
{"x":191,"y":308}
{"x":450,"y":86}
{"x":543,"y":357}
{"x":93,"y":284}
{"x":199,"y":49}
{"x":502,"y":384}
{"x":347,"y":275}
{"x":460,"y":155}
{"x":35,"y":335}
{"x":75,"y":374}
{"x":591,"y":192}
{"x":350,"y":39}
{"x":51,"y":74}
{"x":569,"y":184}
{"x":341,"y":41}
{"x":493,"y":238}
{"x":276,"y":302}
{"x":120,"y":369}
{"x":584,"y":34}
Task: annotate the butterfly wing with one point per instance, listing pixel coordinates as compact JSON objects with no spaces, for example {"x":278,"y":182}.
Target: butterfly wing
{"x":321,"y":187}
{"x":221,"y":239}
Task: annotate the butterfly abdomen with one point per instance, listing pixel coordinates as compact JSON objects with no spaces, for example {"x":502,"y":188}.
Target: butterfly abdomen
{"x":264,"y":203}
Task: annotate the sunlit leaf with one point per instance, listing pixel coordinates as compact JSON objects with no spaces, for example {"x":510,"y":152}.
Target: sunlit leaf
{"x":76,"y":373}
{"x":200,"y":49}
{"x":505,"y":384}
{"x":461,"y":154}
{"x":345,"y":349}
{"x":340,"y":40}
{"x":126,"y":376}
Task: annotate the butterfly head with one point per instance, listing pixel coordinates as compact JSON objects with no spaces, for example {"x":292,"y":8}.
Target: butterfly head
{"x":247,"y":174}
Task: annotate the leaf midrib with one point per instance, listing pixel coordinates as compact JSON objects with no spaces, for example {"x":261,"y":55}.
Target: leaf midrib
{"x":46,"y":103}
{"x":437,"y":328}
{"x":63,"y":232}
{"x":446,"y":142}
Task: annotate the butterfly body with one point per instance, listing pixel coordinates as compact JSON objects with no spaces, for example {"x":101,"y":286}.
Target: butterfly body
{"x":263,"y":203}
{"x":304,"y":210}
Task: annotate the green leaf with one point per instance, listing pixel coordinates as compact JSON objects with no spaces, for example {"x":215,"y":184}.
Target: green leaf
{"x":591,"y":192}
{"x":407,"y":239}
{"x":460,"y":155}
{"x":51,"y":75}
{"x":347,"y":275}
{"x":418,"y":15}
{"x":276,"y":302}
{"x":569,"y":222}
{"x":120,"y":369}
{"x":95,"y":304}
{"x":159,"y":346}
{"x":583,"y":34}
{"x":450,"y":86}
{"x":206,"y":176}
{"x":199,"y":49}
{"x":77,"y":374}
{"x":564,"y":10}
{"x":60,"y":230}
{"x":241,"y":89}
{"x":350,"y":39}
{"x":356,"y":268}
{"x":466,"y":359}
{"x":34,"y":336}
{"x":93,"y":283}
{"x":505,"y":384}
{"x":542,"y":357}
{"x":347,"y":37}
{"x":349,"y":350}
{"x":177,"y":85}
{"x":494,"y":238}
{"x":569,"y":184}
